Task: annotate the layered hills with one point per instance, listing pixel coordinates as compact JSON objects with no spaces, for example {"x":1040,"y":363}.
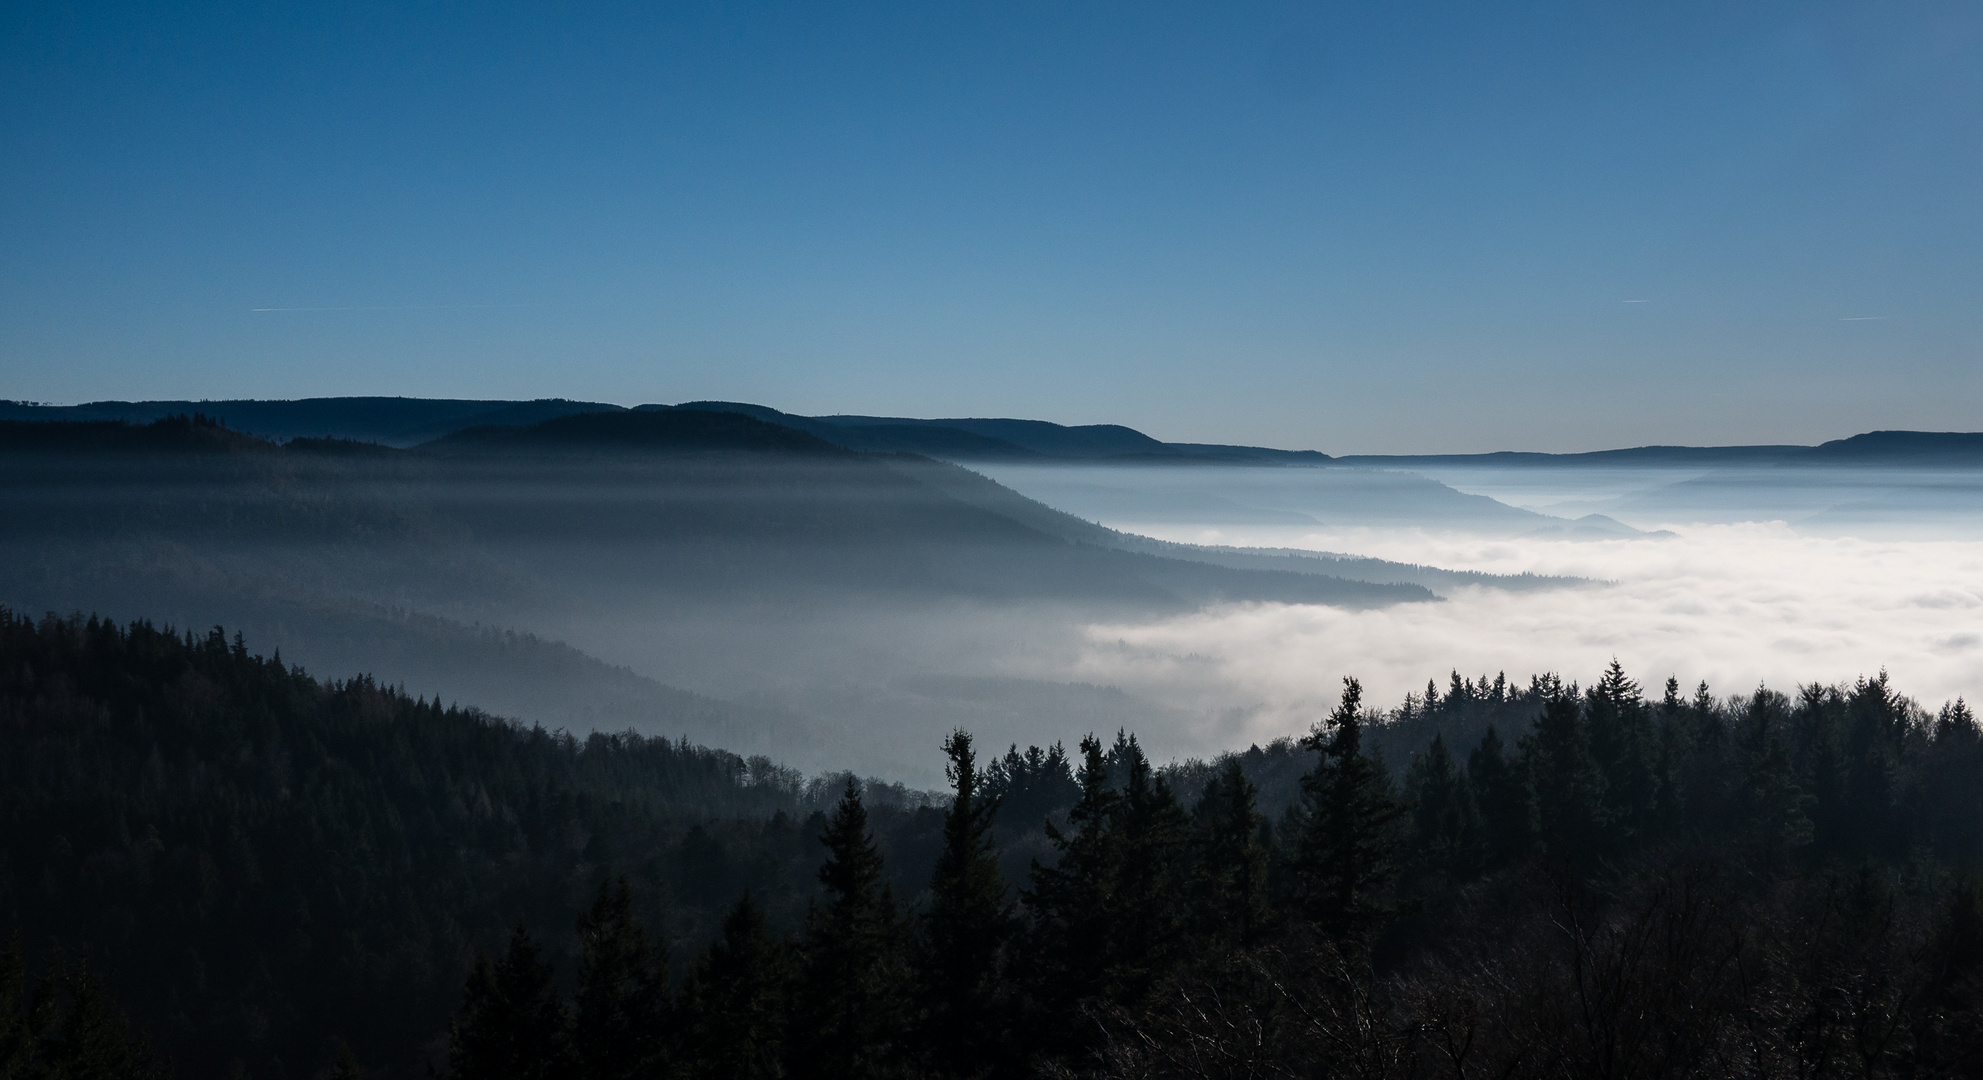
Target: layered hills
{"x":690,"y":556}
{"x":405,"y":422}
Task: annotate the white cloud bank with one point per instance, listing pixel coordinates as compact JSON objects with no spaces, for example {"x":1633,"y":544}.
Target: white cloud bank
{"x":1736,"y":605}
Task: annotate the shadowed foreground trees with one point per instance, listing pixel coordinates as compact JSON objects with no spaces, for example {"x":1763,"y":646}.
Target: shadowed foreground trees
{"x":280,"y":877}
{"x":1425,"y":931}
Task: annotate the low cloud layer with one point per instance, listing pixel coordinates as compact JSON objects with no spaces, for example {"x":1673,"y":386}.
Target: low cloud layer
{"x":1735,"y":605}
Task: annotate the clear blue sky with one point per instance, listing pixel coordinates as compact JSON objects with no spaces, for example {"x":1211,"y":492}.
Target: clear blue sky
{"x":1351,"y":227}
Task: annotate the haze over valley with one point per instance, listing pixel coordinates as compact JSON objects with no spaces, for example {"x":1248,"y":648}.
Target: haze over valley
{"x":889,"y":541}
{"x":744,"y":582}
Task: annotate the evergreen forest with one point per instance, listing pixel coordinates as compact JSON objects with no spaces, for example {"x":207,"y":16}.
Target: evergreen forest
{"x":215,"y":864}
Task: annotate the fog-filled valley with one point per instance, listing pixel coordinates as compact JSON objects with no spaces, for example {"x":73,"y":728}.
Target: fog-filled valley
{"x":740,"y":581}
{"x":604,"y":685}
{"x":615,"y":571}
{"x":1736,"y":576}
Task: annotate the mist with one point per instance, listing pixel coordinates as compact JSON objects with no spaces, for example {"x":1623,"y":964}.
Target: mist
{"x":1736,"y":578}
{"x":706,"y":576}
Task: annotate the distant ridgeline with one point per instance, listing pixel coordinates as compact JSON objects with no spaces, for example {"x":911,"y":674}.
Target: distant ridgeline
{"x":721,"y":483}
{"x":412,"y":421}
{"x":276,"y":875}
{"x":354,"y":556}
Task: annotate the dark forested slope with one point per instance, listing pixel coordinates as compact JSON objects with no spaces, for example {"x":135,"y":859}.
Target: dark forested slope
{"x":1549,"y":881}
{"x":264,"y":864}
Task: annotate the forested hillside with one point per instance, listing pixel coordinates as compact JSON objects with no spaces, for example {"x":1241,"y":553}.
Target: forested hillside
{"x":270,"y":872}
{"x":707,"y":558}
{"x":264,"y":864}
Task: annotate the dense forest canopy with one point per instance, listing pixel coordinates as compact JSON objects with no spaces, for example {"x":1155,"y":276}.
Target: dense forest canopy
{"x":275,"y":875}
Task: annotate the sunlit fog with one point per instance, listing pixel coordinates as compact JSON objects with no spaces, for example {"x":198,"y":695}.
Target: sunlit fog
{"x":1742,"y":581}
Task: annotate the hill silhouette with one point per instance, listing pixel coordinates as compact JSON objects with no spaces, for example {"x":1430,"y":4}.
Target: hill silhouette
{"x":1917,"y":448}
{"x":197,"y":433}
{"x":637,"y":432}
{"x":404,"y":422}
{"x":393,"y":421}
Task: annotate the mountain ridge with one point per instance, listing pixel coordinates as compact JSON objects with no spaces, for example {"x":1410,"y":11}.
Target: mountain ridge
{"x":404,"y":422}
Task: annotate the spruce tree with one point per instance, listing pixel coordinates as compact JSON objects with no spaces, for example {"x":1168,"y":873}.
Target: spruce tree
{"x":1568,"y":784}
{"x":511,"y":1025}
{"x":966,"y":926}
{"x":1620,"y":736}
{"x":620,"y":1028}
{"x":1072,"y":901}
{"x":1345,"y":860}
{"x":734,"y":1002}
{"x":1146,"y":922}
{"x":1445,"y":821}
{"x":850,"y":1011}
{"x":1229,"y":886}
{"x":1504,"y":791}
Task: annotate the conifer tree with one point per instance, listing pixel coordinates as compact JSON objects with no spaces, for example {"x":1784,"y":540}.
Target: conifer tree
{"x":1445,"y":821}
{"x":1146,"y":921}
{"x":1620,"y":737}
{"x":1504,"y":791}
{"x":1876,"y":725}
{"x":850,"y":1013}
{"x":1346,"y":857}
{"x":1771,"y":799}
{"x":620,"y":1028}
{"x":1568,"y":784}
{"x":967,"y":924}
{"x":511,"y":1025}
{"x":734,"y":1002}
{"x":1229,"y":888}
{"x":1072,"y":901}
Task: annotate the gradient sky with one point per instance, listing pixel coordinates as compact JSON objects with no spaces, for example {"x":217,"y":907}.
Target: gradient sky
{"x":1348,"y":227}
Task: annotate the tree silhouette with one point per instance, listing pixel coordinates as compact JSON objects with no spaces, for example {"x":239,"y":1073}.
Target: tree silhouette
{"x":1346,"y":858}
{"x":966,"y":925}
{"x":511,"y":1025}
{"x":850,"y":1016}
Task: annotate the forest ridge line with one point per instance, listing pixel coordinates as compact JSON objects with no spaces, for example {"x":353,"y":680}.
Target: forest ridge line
{"x":410,"y":421}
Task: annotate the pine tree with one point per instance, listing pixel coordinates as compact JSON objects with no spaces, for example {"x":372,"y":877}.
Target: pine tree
{"x":619,"y":1031}
{"x":511,"y":1026}
{"x":1070,"y":900}
{"x":1229,"y":888}
{"x":1445,"y":821}
{"x":1771,"y":799}
{"x":1568,"y":784}
{"x":734,"y":1002}
{"x":1146,"y":923}
{"x":850,"y":1012}
{"x":1505,"y":793}
{"x":1620,"y":736}
{"x":1346,"y":857}
{"x":967,"y":925}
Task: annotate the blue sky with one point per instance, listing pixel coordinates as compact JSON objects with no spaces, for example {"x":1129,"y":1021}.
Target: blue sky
{"x":1349,"y":227}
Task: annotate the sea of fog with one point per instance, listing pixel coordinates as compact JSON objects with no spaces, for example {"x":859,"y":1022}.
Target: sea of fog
{"x":1736,"y":578}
